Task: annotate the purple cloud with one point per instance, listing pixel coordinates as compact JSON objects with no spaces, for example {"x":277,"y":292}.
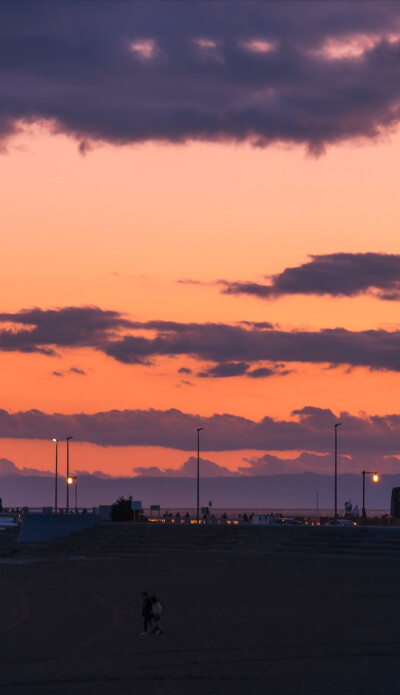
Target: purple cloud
{"x":95,"y":474}
{"x":313,"y":73}
{"x":319,"y":464}
{"x":228,"y":347}
{"x":189,"y":281}
{"x":225,"y":369}
{"x":40,"y":330}
{"x":188,"y":469}
{"x":231,"y":369}
{"x":310,"y":429}
{"x":265,"y":372}
{"x":72,"y":370}
{"x":8,"y":467}
{"x":336,"y":274}
{"x":273,"y":465}
{"x":184,"y":370}
{"x":222,"y":343}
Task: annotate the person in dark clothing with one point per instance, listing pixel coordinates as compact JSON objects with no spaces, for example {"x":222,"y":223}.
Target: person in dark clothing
{"x":147,"y":612}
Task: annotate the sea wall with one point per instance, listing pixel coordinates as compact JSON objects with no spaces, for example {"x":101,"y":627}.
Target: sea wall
{"x":41,"y":528}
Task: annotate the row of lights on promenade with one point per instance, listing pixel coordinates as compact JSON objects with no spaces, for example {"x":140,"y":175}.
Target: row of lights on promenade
{"x":70,"y":479}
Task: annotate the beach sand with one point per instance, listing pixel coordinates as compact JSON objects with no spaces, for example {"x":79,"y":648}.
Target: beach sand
{"x":234,"y":622}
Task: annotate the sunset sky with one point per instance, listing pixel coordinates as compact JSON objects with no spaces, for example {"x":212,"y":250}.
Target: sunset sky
{"x":200,"y":212}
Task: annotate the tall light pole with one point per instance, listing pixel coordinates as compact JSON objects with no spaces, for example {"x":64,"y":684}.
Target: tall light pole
{"x":375,"y":478}
{"x":199,"y":429}
{"x":336,"y":426}
{"x":56,"y":477}
{"x":67,"y":440}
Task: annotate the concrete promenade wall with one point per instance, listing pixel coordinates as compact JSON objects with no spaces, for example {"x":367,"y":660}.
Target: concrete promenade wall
{"x":41,"y":528}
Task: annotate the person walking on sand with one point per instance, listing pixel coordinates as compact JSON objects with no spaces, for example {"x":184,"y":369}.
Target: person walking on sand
{"x":147,"y":613}
{"x":156,"y":610}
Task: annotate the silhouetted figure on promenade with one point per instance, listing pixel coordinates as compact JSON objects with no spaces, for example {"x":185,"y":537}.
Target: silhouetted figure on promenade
{"x":147,"y":612}
{"x":348,"y":508}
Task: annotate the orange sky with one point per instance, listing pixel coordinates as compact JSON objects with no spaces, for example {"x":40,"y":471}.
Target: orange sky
{"x":119,"y":227}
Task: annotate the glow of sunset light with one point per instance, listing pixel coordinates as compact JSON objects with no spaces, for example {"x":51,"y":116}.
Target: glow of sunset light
{"x":171,"y":174}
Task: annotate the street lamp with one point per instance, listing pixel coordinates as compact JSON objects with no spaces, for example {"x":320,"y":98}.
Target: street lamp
{"x":67,"y":440}
{"x":336,"y":426}
{"x":70,"y":480}
{"x":199,"y":429}
{"x":375,"y":478}
{"x":55,"y":482}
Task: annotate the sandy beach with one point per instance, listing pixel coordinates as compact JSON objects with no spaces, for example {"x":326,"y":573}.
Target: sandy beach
{"x":236,"y":620}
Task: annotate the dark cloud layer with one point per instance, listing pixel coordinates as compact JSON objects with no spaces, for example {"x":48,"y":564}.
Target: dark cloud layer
{"x":8,"y":467}
{"x":309,"y":429}
{"x":273,"y":465}
{"x":336,"y":274}
{"x":123,"y":72}
{"x":221,"y":343}
{"x":321,"y":463}
{"x":267,"y":464}
{"x":38,"y":330}
{"x":232,"y":350}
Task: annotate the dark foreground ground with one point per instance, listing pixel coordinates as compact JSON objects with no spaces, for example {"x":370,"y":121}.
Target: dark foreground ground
{"x":236,"y":622}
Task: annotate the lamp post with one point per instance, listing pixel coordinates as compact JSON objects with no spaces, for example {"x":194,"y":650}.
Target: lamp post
{"x":70,"y":480}
{"x":375,"y":478}
{"x":67,"y":440}
{"x":56,"y":477}
{"x":336,"y":426}
{"x":199,"y":429}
